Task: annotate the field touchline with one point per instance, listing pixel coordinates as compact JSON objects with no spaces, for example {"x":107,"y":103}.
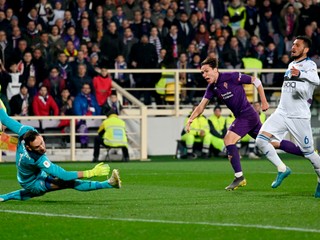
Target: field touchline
{"x":294,"y":229}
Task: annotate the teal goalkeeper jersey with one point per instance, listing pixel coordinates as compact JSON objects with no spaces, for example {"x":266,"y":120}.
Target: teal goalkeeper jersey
{"x":30,"y":164}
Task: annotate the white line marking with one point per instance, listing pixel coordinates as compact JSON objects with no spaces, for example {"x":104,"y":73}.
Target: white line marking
{"x":294,"y":229}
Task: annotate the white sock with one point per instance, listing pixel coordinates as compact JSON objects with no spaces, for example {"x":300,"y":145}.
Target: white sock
{"x":238,"y":174}
{"x":270,"y":152}
{"x":315,"y":161}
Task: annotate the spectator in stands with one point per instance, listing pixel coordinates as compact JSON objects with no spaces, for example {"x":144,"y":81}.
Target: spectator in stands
{"x":129,"y":9}
{"x":155,"y":40}
{"x":21,"y":103}
{"x":170,"y":18}
{"x":56,"y":43}
{"x":98,"y":31}
{"x":67,"y":22}
{"x":252,"y":14}
{"x":6,"y":49}
{"x":112,"y":103}
{"x":40,"y":64}
{"x":162,"y":29}
{"x":210,"y":47}
{"x":80,"y":59}
{"x":111,"y":134}
{"x":121,"y":78}
{"x":222,"y":49}
{"x":218,"y":128}
{"x":202,"y":36}
{"x":32,"y":86}
{"x":186,"y":79}
{"x":237,"y":13}
{"x":43,"y":104}
{"x":72,"y":36}
{"x":70,"y":51}
{"x":54,"y":83}
{"x":11,"y":81}
{"x":58,"y":12}
{"x":15,"y":37}
{"x":81,"y":7}
{"x":234,"y":54}
{"x":146,"y":22}
{"x":128,"y":40}
{"x":147,"y":60}
{"x":308,"y":13}
{"x":26,"y":67}
{"x":4,"y":102}
{"x":200,"y":133}
{"x":243,"y":38}
{"x":156,"y":13}
{"x":98,"y":13}
{"x":32,"y":34}
{"x":45,"y":11}
{"x":65,"y":104}
{"x":84,"y":31}
{"x":172,"y":43}
{"x":79,"y":79}
{"x":109,"y":5}
{"x":118,"y":17}
{"x":102,"y":85}
{"x":136,"y":25}
{"x":111,"y":45}
{"x":185,"y":30}
{"x":64,"y":67}
{"x":85,"y":104}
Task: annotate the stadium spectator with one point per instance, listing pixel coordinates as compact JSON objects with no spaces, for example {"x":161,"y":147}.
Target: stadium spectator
{"x":233,"y":54}
{"x":64,"y":67}
{"x":146,"y":22}
{"x":111,"y":134}
{"x":77,"y":80}
{"x":43,"y":104}
{"x":49,"y":177}
{"x":162,"y":29}
{"x":80,"y":59}
{"x":129,"y":8}
{"x":243,"y":38}
{"x":65,"y":104}
{"x":136,"y":25}
{"x":112,"y":103}
{"x":80,"y":8}
{"x":70,"y":51}
{"x":98,"y":31}
{"x":67,"y":22}
{"x":71,"y":35}
{"x":54,"y":83}
{"x":170,"y":18}
{"x":4,"y":101}
{"x":210,"y":47}
{"x":58,"y":12}
{"x":111,"y":45}
{"x":32,"y":87}
{"x":252,"y":16}
{"x":21,"y":103}
{"x":308,"y":13}
{"x":45,"y":11}
{"x":15,"y":37}
{"x":155,"y":40}
{"x":18,"y":52}
{"x":27,"y":68}
{"x":121,"y":78}
{"x":147,"y":60}
{"x":102,"y":85}
{"x":202,"y":36}
{"x":85,"y":104}
{"x":185,"y":30}
{"x":56,"y":43}
{"x":6,"y":49}
{"x":119,"y":17}
{"x":237,"y":13}
{"x":172,"y":43}
{"x":128,"y":41}
{"x":32,"y":34}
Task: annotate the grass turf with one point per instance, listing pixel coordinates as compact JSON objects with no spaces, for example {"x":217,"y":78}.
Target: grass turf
{"x":170,"y":199}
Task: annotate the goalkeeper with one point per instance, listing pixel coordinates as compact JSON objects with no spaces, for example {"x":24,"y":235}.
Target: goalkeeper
{"x":37,"y":175}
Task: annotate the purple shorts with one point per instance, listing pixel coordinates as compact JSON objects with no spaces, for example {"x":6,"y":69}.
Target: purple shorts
{"x":248,"y":123}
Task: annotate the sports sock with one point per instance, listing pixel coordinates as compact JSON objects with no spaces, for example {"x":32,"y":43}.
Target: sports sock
{"x":290,"y":147}
{"x":315,"y":161}
{"x":21,"y":194}
{"x":263,"y":142}
{"x":234,"y":157}
{"x":86,"y":185}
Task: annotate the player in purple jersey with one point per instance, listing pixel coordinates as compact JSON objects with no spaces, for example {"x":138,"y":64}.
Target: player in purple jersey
{"x":228,"y":87}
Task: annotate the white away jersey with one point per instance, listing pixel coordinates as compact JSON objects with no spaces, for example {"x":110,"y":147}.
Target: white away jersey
{"x":296,"y":93}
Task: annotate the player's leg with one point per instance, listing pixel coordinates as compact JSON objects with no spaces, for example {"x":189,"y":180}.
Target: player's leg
{"x":53,"y":184}
{"x":230,"y":141}
{"x":21,"y":195}
{"x":273,"y":127}
{"x":96,"y":148}
{"x":302,"y":132}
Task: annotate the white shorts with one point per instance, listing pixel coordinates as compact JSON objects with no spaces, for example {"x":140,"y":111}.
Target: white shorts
{"x":300,"y":128}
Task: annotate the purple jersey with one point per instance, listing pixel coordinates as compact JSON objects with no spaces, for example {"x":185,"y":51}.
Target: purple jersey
{"x":229,"y":88}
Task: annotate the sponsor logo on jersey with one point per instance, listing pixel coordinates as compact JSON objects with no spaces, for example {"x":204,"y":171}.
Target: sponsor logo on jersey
{"x":289,"y":86}
{"x":46,"y":164}
{"x":225,"y":84}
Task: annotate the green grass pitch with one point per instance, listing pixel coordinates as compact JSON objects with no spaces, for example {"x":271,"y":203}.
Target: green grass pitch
{"x":170,"y":199}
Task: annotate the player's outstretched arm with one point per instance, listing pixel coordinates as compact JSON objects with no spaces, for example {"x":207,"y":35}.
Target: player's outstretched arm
{"x":100,"y":169}
{"x":9,"y":122}
{"x":264,"y":103}
{"x":196,"y":112}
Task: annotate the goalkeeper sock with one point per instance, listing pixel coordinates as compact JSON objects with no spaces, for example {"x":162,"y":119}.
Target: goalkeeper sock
{"x":21,"y":195}
{"x":85,"y":185}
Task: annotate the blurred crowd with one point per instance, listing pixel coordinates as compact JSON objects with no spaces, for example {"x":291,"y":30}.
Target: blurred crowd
{"x":55,"y":55}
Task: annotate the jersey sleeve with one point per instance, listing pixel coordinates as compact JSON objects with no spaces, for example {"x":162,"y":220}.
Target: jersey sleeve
{"x":13,"y":125}
{"x":54,"y":170}
{"x":209,"y":92}
{"x":310,"y":74}
{"x":243,"y":78}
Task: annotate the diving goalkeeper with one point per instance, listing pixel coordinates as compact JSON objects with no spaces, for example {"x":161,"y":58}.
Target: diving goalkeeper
{"x":37,"y":175}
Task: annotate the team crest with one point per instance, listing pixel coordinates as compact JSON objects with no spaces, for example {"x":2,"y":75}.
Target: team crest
{"x":225,"y":84}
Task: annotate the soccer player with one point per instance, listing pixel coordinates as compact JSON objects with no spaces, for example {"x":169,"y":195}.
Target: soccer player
{"x":293,"y":113}
{"x":38,"y":175}
{"x":228,"y":87}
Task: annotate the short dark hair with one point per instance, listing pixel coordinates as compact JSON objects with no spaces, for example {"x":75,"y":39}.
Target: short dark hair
{"x":307,"y":41}
{"x":212,"y":62}
{"x":110,"y":112}
{"x":30,"y":136}
{"x":217,"y":107}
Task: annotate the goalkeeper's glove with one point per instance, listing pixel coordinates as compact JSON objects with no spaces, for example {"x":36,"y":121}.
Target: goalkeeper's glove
{"x":100,"y":169}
